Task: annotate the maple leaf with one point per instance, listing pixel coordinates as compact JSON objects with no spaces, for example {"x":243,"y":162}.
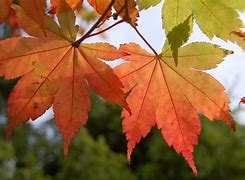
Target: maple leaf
{"x":238,"y":4}
{"x":179,"y":36}
{"x":55,"y":71}
{"x":4,"y":9}
{"x":36,"y":8}
{"x":209,"y":15}
{"x":55,"y":4}
{"x":125,"y":9}
{"x":100,"y":6}
{"x":128,"y":11}
{"x":171,"y":97}
{"x":145,"y":4}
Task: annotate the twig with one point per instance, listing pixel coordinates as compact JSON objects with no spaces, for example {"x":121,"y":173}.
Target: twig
{"x":106,"y":29}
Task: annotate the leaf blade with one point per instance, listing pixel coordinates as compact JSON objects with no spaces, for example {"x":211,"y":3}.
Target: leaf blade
{"x":145,"y":4}
{"x":157,"y":99}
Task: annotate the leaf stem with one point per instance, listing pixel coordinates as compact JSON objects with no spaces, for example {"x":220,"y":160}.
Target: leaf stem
{"x":78,"y":42}
{"x":146,"y":42}
{"x":106,"y":29}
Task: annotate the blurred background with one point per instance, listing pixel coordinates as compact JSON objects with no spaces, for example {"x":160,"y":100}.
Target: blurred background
{"x":35,"y":150}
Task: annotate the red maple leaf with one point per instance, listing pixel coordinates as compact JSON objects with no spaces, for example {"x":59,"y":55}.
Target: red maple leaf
{"x":55,"y":70}
{"x":171,"y":97}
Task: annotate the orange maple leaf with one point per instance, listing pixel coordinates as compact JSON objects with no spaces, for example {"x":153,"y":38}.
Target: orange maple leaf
{"x":55,"y":71}
{"x":55,"y":5}
{"x":171,"y":97}
{"x":128,"y":11}
{"x":36,"y":9}
{"x":100,"y":5}
{"x":4,"y":9}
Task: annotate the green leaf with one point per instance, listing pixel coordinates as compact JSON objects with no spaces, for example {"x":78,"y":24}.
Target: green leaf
{"x":179,"y":36}
{"x":145,"y":4}
{"x":175,"y":12}
{"x":198,"y":55}
{"x":237,"y":4}
{"x":216,"y":18}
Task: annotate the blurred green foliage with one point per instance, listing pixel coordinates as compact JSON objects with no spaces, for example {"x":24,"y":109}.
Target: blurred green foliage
{"x":99,"y":152}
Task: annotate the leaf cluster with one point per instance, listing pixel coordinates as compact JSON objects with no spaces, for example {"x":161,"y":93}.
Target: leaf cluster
{"x":167,"y":89}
